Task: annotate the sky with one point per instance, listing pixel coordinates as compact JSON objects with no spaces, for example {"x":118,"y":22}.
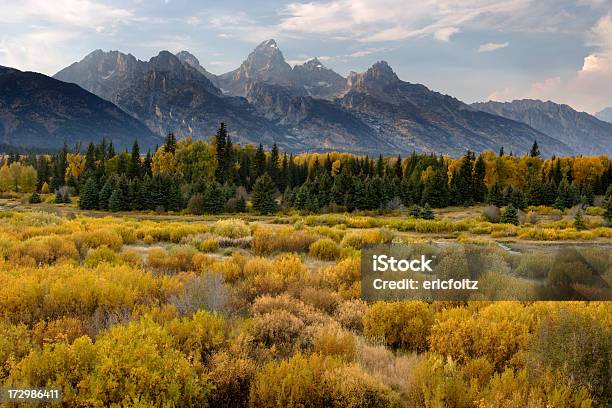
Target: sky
{"x":475,"y":50}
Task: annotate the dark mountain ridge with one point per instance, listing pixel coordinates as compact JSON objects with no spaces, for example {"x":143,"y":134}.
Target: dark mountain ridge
{"x":37,"y":111}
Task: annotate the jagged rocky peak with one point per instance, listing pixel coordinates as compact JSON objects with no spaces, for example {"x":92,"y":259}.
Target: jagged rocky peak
{"x":266,"y":59}
{"x":187,"y":57}
{"x":191,"y":60}
{"x":313,"y":64}
{"x":378,"y":74}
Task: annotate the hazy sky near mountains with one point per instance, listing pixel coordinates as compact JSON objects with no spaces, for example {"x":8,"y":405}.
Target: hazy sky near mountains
{"x":472,"y":49}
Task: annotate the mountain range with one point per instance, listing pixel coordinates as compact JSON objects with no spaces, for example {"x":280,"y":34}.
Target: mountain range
{"x":580,"y":131}
{"x":309,"y":107}
{"x":40,"y":112}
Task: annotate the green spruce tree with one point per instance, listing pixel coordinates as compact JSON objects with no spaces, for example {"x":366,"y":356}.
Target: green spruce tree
{"x":263,"y":195}
{"x":510,"y":215}
{"x":88,"y":199}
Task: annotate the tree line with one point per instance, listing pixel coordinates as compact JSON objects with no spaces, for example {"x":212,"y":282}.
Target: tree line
{"x":220,"y":176}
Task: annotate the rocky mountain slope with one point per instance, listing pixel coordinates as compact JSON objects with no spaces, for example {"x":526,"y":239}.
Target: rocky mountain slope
{"x":584,"y":133}
{"x":37,"y":111}
{"x":307,"y":107}
{"x":169,"y":95}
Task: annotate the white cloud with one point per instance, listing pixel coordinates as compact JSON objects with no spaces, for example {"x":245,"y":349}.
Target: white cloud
{"x":39,"y":51}
{"x":392,"y":20}
{"x":444,"y":34}
{"x":76,"y":13}
{"x":488,"y":47}
{"x":589,"y":89}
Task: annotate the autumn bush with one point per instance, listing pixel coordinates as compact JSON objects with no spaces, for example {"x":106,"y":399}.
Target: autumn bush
{"x":401,"y":324}
{"x":269,"y":240}
{"x":344,"y":277}
{"x":324,"y":249}
{"x":44,"y":250}
{"x":231,"y":377}
{"x":497,"y":332}
{"x":232,"y":228}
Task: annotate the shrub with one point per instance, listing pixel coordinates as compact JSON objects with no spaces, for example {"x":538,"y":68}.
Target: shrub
{"x":344,"y":277}
{"x":350,"y":386}
{"x":277,"y":328}
{"x":101,"y":254}
{"x":497,"y":332}
{"x":330,"y":341}
{"x":325,"y":249}
{"x":350,"y":314}
{"x":297,"y":382}
{"x":231,"y":377}
{"x":491,"y":213}
{"x":207,"y":291}
{"x":578,"y":347}
{"x":435,"y":383}
{"x":85,"y":240}
{"x":178,"y":259}
{"x":519,"y":389}
{"x":44,"y":250}
{"x":370,"y":237}
{"x":232,"y":228}
{"x":268,"y":240}
{"x":402,"y":324}
{"x":322,"y":299}
{"x":208,"y":245}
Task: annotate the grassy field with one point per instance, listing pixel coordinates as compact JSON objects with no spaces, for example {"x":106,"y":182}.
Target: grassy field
{"x":144,"y":309}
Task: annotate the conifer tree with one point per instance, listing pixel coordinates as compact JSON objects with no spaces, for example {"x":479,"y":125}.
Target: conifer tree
{"x":59,"y":198}
{"x":510,"y":215}
{"x":241,"y":205}
{"x":134,"y":165}
{"x":214,"y":199}
{"x":170,"y":144}
{"x":66,"y":198}
{"x":415,"y":211}
{"x":105,"y":193}
{"x":480,"y":189}
{"x":273,"y":165}
{"x":564,"y":195}
{"x":495,"y":196}
{"x":579,"y":223}
{"x":260,"y":161}
{"x":535,"y":150}
{"x":263,"y":195}
{"x":116,"y":202}
{"x":88,"y":199}
{"x":426,"y":213}
{"x":34,"y":198}
{"x":436,"y":190}
{"x":221,"y":140}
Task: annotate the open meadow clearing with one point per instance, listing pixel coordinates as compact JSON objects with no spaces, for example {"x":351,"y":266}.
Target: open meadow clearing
{"x":141,"y":309}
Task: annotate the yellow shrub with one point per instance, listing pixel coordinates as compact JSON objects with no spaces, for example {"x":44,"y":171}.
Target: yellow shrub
{"x":93,"y":239}
{"x":232,"y":228}
{"x":402,"y":324}
{"x":209,"y":245}
{"x":344,"y":277}
{"x":101,"y":254}
{"x":330,"y":341}
{"x":325,"y":249}
{"x":356,"y":239}
{"x":44,"y":251}
{"x":268,"y":240}
{"x":497,"y":332}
